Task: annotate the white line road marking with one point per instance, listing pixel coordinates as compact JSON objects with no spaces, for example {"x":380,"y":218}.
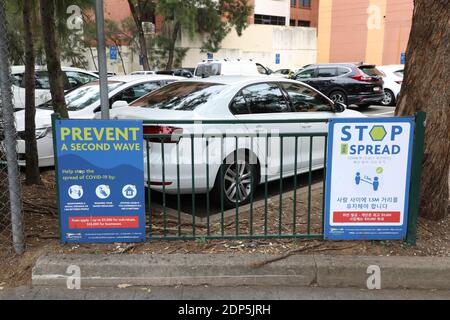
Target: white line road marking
{"x":380,"y":114}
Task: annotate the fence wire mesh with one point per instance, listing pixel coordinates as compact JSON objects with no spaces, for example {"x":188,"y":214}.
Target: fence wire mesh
{"x":11,"y":218}
{"x":5,"y":212}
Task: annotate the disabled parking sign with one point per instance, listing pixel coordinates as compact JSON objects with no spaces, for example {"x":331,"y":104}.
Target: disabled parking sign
{"x":367,"y":182}
{"x":100,"y":176}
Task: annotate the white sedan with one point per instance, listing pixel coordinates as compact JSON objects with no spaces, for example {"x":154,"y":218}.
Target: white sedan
{"x":393,"y":79}
{"x":231,"y":166}
{"x":84,"y":103}
{"x":73,"y":78}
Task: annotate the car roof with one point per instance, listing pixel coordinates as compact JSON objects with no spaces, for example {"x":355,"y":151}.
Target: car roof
{"x":238,"y":81}
{"x":232,"y":79}
{"x":234,"y":61}
{"x":143,"y":77}
{"x":344,"y":64}
{"x":21,"y":68}
{"x":392,"y":66}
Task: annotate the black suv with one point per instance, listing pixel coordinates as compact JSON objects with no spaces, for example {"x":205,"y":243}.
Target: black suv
{"x":347,"y":83}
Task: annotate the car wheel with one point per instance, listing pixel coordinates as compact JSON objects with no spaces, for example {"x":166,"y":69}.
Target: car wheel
{"x":389,"y":98}
{"x":339,"y":96}
{"x":235,"y":172}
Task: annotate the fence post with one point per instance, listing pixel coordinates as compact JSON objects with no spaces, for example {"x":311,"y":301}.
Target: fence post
{"x":7,"y":115}
{"x":416,"y":175}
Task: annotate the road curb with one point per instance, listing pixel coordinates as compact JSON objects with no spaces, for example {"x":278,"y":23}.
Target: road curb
{"x":241,"y":270}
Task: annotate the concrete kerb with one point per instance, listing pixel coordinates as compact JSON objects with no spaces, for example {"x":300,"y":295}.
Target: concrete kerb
{"x":240,"y":270}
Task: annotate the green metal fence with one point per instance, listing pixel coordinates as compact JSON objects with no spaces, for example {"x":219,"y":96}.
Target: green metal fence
{"x":182,"y":199}
{"x":283,"y":217}
{"x":277,"y":207}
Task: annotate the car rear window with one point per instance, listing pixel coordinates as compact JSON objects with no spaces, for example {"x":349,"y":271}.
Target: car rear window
{"x":208,"y":69}
{"x":371,"y":71}
{"x":185,"y":96}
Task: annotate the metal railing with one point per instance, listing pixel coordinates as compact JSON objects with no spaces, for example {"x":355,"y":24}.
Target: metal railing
{"x":280,"y":214}
{"x":272,"y":210}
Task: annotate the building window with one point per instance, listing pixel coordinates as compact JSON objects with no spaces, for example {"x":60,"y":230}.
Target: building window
{"x":292,"y":23}
{"x":304,"y":23}
{"x":293,"y":3}
{"x":273,"y":20}
{"x":305,"y":3}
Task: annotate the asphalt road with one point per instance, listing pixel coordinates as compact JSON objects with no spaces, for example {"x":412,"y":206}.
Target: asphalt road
{"x":220,"y":293}
{"x":376,"y":111}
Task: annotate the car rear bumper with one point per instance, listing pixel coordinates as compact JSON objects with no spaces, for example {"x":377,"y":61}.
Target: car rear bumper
{"x":366,"y":98}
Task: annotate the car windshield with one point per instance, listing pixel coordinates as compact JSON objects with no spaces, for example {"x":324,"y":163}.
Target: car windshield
{"x":180,"y":96}
{"x":83,"y":96}
{"x":208,"y":69}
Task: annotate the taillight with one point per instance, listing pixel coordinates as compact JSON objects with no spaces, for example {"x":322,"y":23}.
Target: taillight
{"x":174,"y":132}
{"x":361,"y":76}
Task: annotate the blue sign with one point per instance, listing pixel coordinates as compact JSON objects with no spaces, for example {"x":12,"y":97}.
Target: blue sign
{"x":403,"y":58}
{"x":100,"y":171}
{"x":210,"y":56}
{"x":113,"y":53}
{"x":277,"y":58}
{"x":368,"y":173}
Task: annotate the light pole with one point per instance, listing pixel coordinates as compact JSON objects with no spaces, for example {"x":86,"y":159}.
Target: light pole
{"x":101,"y":53}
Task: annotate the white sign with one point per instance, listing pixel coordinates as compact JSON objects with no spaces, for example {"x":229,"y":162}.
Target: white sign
{"x":368,"y":178}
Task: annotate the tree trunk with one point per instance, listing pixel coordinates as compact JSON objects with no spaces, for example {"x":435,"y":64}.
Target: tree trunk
{"x":31,"y":153}
{"x":426,"y":88}
{"x":142,"y":41}
{"x":93,"y":58}
{"x":121,"y":58}
{"x":173,"y":40}
{"x":52,"y":54}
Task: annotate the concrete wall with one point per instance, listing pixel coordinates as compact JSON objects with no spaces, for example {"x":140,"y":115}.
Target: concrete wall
{"x":309,"y":14}
{"x":297,"y":46}
{"x":279,"y":8}
{"x":374,"y":31}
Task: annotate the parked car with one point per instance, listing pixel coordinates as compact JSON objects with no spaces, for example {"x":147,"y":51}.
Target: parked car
{"x":227,"y":67}
{"x":393,"y":79}
{"x":183,"y":73}
{"x":108,"y":74}
{"x":231,"y":98}
{"x":73,"y":78}
{"x":83,"y":103}
{"x":285,"y":73}
{"x":142,"y":72}
{"x":347,"y":83}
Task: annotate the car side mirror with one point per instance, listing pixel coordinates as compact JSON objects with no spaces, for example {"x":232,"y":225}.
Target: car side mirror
{"x":119,"y":104}
{"x":339,"y":107}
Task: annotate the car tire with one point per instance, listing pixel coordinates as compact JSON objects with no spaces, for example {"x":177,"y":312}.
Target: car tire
{"x":225,"y":184}
{"x":338,"y":96}
{"x":389,"y":99}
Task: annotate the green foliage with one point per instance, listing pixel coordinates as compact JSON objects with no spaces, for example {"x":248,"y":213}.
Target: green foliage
{"x":213,"y":20}
{"x":70,"y":44}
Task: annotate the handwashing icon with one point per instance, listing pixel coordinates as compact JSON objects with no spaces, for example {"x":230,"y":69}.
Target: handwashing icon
{"x":374,"y":182}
